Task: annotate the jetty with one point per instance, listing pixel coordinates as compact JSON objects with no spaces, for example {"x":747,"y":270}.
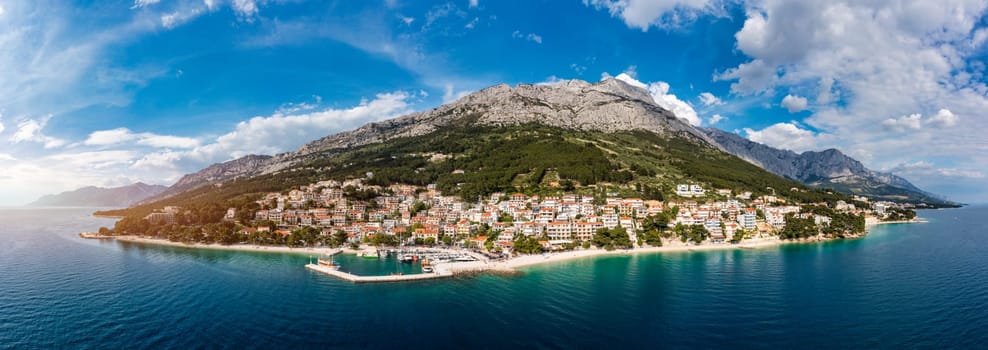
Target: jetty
{"x":346,"y":276}
{"x":443,"y":262}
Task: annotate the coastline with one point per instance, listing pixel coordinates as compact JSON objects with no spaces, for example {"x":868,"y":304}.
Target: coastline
{"x":916,"y":220}
{"x":511,"y":265}
{"x":515,"y":264}
{"x":236,"y":247}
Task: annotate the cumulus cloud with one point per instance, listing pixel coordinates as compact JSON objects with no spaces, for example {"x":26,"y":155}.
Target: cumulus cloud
{"x":642,"y":14}
{"x":474,"y":3}
{"x":530,"y":36}
{"x":708,"y":99}
{"x":876,"y":69}
{"x":716,"y":118}
{"x":943,"y":119}
{"x":31,"y":130}
{"x":910,"y":122}
{"x":794,"y":103}
{"x":659,"y":91}
{"x":6,"y":157}
{"x":751,"y":77}
{"x":1,"y":124}
{"x":787,"y":136}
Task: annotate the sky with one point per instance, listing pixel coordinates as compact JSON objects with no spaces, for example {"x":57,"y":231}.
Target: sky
{"x":108,"y":93}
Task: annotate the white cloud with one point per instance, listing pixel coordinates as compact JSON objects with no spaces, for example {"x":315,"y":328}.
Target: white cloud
{"x":1,"y":124}
{"x":1,"y":10}
{"x":754,"y":76}
{"x":450,"y":94}
{"x":109,"y":137}
{"x":406,"y":20}
{"x":530,"y":36}
{"x":124,"y":135}
{"x":273,"y":134}
{"x":716,"y":118}
{"x":709,"y":99}
{"x":6,"y":157}
{"x":629,"y":77}
{"x":642,"y":14}
{"x":143,"y":3}
{"x":30,"y":130}
{"x":245,"y":9}
{"x":794,"y":103}
{"x":875,"y":67}
{"x":177,"y":18}
{"x":787,"y":136}
{"x":943,"y":119}
{"x":472,"y":23}
{"x":474,"y":3}
{"x":166,"y":141}
{"x":659,"y":91}
{"x":952,"y":172}
{"x":909,"y":122}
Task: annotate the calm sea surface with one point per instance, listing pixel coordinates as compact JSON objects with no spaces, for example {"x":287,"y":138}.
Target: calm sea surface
{"x":904,"y":286}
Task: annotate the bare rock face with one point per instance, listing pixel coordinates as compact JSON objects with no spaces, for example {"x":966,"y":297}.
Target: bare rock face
{"x":608,"y":106}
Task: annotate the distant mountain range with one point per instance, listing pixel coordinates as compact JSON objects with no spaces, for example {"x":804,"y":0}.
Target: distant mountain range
{"x":101,"y":197}
{"x":826,"y":169}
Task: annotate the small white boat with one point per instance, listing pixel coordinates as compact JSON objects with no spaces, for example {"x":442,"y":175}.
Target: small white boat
{"x":427,"y":269}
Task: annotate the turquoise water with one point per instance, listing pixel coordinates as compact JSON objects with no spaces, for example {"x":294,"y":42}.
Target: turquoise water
{"x":904,"y":286}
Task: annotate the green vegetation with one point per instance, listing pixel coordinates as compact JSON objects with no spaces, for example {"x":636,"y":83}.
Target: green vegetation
{"x":798,"y":228}
{"x":691,"y":233}
{"x":896,"y":214}
{"x":527,"y":245}
{"x":610,"y":239}
{"x":656,"y":227}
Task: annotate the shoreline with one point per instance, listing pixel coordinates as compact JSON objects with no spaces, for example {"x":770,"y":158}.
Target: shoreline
{"x":237,"y":247}
{"x":518,"y":263}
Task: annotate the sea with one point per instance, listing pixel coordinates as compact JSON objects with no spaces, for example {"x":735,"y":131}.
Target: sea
{"x":903,"y":286}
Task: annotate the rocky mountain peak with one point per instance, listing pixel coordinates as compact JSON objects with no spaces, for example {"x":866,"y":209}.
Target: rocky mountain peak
{"x":610,"y":105}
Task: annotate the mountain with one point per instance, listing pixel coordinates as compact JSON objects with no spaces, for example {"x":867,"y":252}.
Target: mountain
{"x":608,"y":106}
{"x":827,"y":169}
{"x":101,"y":197}
{"x":602,"y":137}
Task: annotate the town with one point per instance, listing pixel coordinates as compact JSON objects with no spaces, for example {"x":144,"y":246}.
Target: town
{"x":502,"y":224}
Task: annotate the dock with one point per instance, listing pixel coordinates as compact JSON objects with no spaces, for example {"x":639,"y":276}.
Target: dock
{"x":346,"y":276}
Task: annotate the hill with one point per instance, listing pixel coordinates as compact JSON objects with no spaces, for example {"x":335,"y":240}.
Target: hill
{"x":827,"y":169}
{"x":101,"y":197}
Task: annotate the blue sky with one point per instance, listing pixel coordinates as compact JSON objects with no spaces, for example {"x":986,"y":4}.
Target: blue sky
{"x":111,"y":92}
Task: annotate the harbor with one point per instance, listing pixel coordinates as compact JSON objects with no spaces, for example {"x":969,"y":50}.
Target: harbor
{"x":400,"y":264}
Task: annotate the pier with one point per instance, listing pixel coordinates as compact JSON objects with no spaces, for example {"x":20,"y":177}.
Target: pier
{"x":346,"y":276}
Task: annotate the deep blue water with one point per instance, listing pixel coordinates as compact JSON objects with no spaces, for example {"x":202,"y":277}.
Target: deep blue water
{"x":904,"y":286}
